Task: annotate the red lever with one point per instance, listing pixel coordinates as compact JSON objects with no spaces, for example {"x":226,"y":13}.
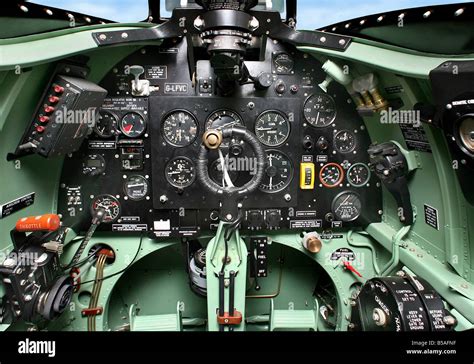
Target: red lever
{"x":349,"y":266}
{"x":236,"y":319}
{"x":47,"y":222}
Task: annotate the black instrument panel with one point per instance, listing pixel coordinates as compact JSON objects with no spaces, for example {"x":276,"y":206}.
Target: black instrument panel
{"x":139,"y":162}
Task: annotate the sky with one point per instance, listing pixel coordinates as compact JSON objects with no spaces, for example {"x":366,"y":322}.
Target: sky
{"x":312,"y":14}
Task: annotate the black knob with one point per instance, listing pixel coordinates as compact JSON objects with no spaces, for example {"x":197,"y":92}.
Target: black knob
{"x":280,"y":87}
{"x":264,"y":81}
{"x":322,"y":144}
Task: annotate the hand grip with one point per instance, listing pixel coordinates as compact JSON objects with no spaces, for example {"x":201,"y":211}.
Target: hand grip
{"x":47,"y":222}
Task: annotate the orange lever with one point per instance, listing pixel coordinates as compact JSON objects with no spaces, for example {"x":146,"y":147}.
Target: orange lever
{"x":47,"y":222}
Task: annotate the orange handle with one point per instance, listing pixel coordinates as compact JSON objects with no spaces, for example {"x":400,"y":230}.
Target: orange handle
{"x":47,"y":222}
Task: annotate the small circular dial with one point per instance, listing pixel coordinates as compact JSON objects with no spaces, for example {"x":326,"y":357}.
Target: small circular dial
{"x":180,"y":128}
{"x":136,"y":187}
{"x":180,"y":172}
{"x":347,"y":206}
{"x":331,"y":175}
{"x":344,"y":141}
{"x":93,"y":165}
{"x":358,"y":175}
{"x":109,"y":204}
{"x":272,"y":128}
{"x":106,"y":124}
{"x":223,"y":118}
{"x":278,"y":172}
{"x":132,"y":125}
{"x":320,"y":110}
{"x":283,"y":63}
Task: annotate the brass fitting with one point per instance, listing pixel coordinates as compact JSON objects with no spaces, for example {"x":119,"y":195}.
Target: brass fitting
{"x":212,"y":139}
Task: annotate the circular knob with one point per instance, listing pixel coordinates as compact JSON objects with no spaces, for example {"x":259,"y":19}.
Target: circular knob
{"x":212,"y":139}
{"x":312,"y":242}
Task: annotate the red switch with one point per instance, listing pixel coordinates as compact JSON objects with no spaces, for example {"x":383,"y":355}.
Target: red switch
{"x":43,"y":119}
{"x":40,"y":129}
{"x":58,"y":89}
{"x":53,"y":99}
{"x":48,"y":109}
{"x":349,"y":266}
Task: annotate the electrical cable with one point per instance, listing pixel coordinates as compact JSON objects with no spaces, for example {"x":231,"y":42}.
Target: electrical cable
{"x":122,"y":270}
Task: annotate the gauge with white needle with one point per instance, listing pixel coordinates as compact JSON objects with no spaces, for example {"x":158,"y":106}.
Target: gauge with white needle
{"x":278,"y":172}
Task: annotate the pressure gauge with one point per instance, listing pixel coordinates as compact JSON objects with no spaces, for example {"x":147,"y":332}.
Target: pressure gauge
{"x":347,"y":206}
{"x":136,"y":187}
{"x":358,"y":175}
{"x":180,"y":128}
{"x":180,"y":172}
{"x":278,"y":172}
{"x":106,"y":124}
{"x":344,"y":141}
{"x":272,"y":128}
{"x":331,"y":175}
{"x":109,"y":204}
{"x":132,"y":125}
{"x":320,"y":110}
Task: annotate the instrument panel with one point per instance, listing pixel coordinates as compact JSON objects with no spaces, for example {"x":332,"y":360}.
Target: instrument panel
{"x":139,"y":163}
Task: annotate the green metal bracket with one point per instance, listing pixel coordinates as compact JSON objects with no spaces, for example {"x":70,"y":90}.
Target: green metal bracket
{"x":237,"y":262}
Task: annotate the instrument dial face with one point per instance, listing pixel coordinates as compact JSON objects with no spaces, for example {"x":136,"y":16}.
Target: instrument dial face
{"x":347,"y":206}
{"x":283,"y":63}
{"x":180,"y":172}
{"x":106,"y":124}
{"x":331,"y":175}
{"x":136,"y":187}
{"x":180,"y":128}
{"x":223,"y":118}
{"x":132,"y":125}
{"x":109,"y":204}
{"x":93,"y":165}
{"x":466,"y":132}
{"x":320,"y":110}
{"x":278,"y":172}
{"x":345,"y":141}
{"x":272,"y":128}
{"x":358,"y":175}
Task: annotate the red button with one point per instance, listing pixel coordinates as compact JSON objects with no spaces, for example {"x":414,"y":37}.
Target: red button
{"x":58,"y":89}
{"x":53,"y":99}
{"x":40,"y":129}
{"x":48,"y":109}
{"x":43,"y":119}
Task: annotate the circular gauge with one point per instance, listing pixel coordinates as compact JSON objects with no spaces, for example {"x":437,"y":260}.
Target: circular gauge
{"x":283,"y":63}
{"x":331,"y":175}
{"x":180,"y":128}
{"x":272,"y":128}
{"x":344,"y":141}
{"x":180,"y":172}
{"x":466,"y":132}
{"x":136,"y":187}
{"x":320,"y":110}
{"x":223,"y":118}
{"x":278,"y":172}
{"x":106,"y":124}
{"x":132,"y":125}
{"x":93,"y":165}
{"x":358,"y":175}
{"x":347,"y":206}
{"x":109,"y":204}
{"x":216,"y":173}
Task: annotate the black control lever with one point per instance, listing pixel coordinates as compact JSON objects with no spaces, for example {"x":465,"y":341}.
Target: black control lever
{"x":97,"y":218}
{"x":391,"y":166}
